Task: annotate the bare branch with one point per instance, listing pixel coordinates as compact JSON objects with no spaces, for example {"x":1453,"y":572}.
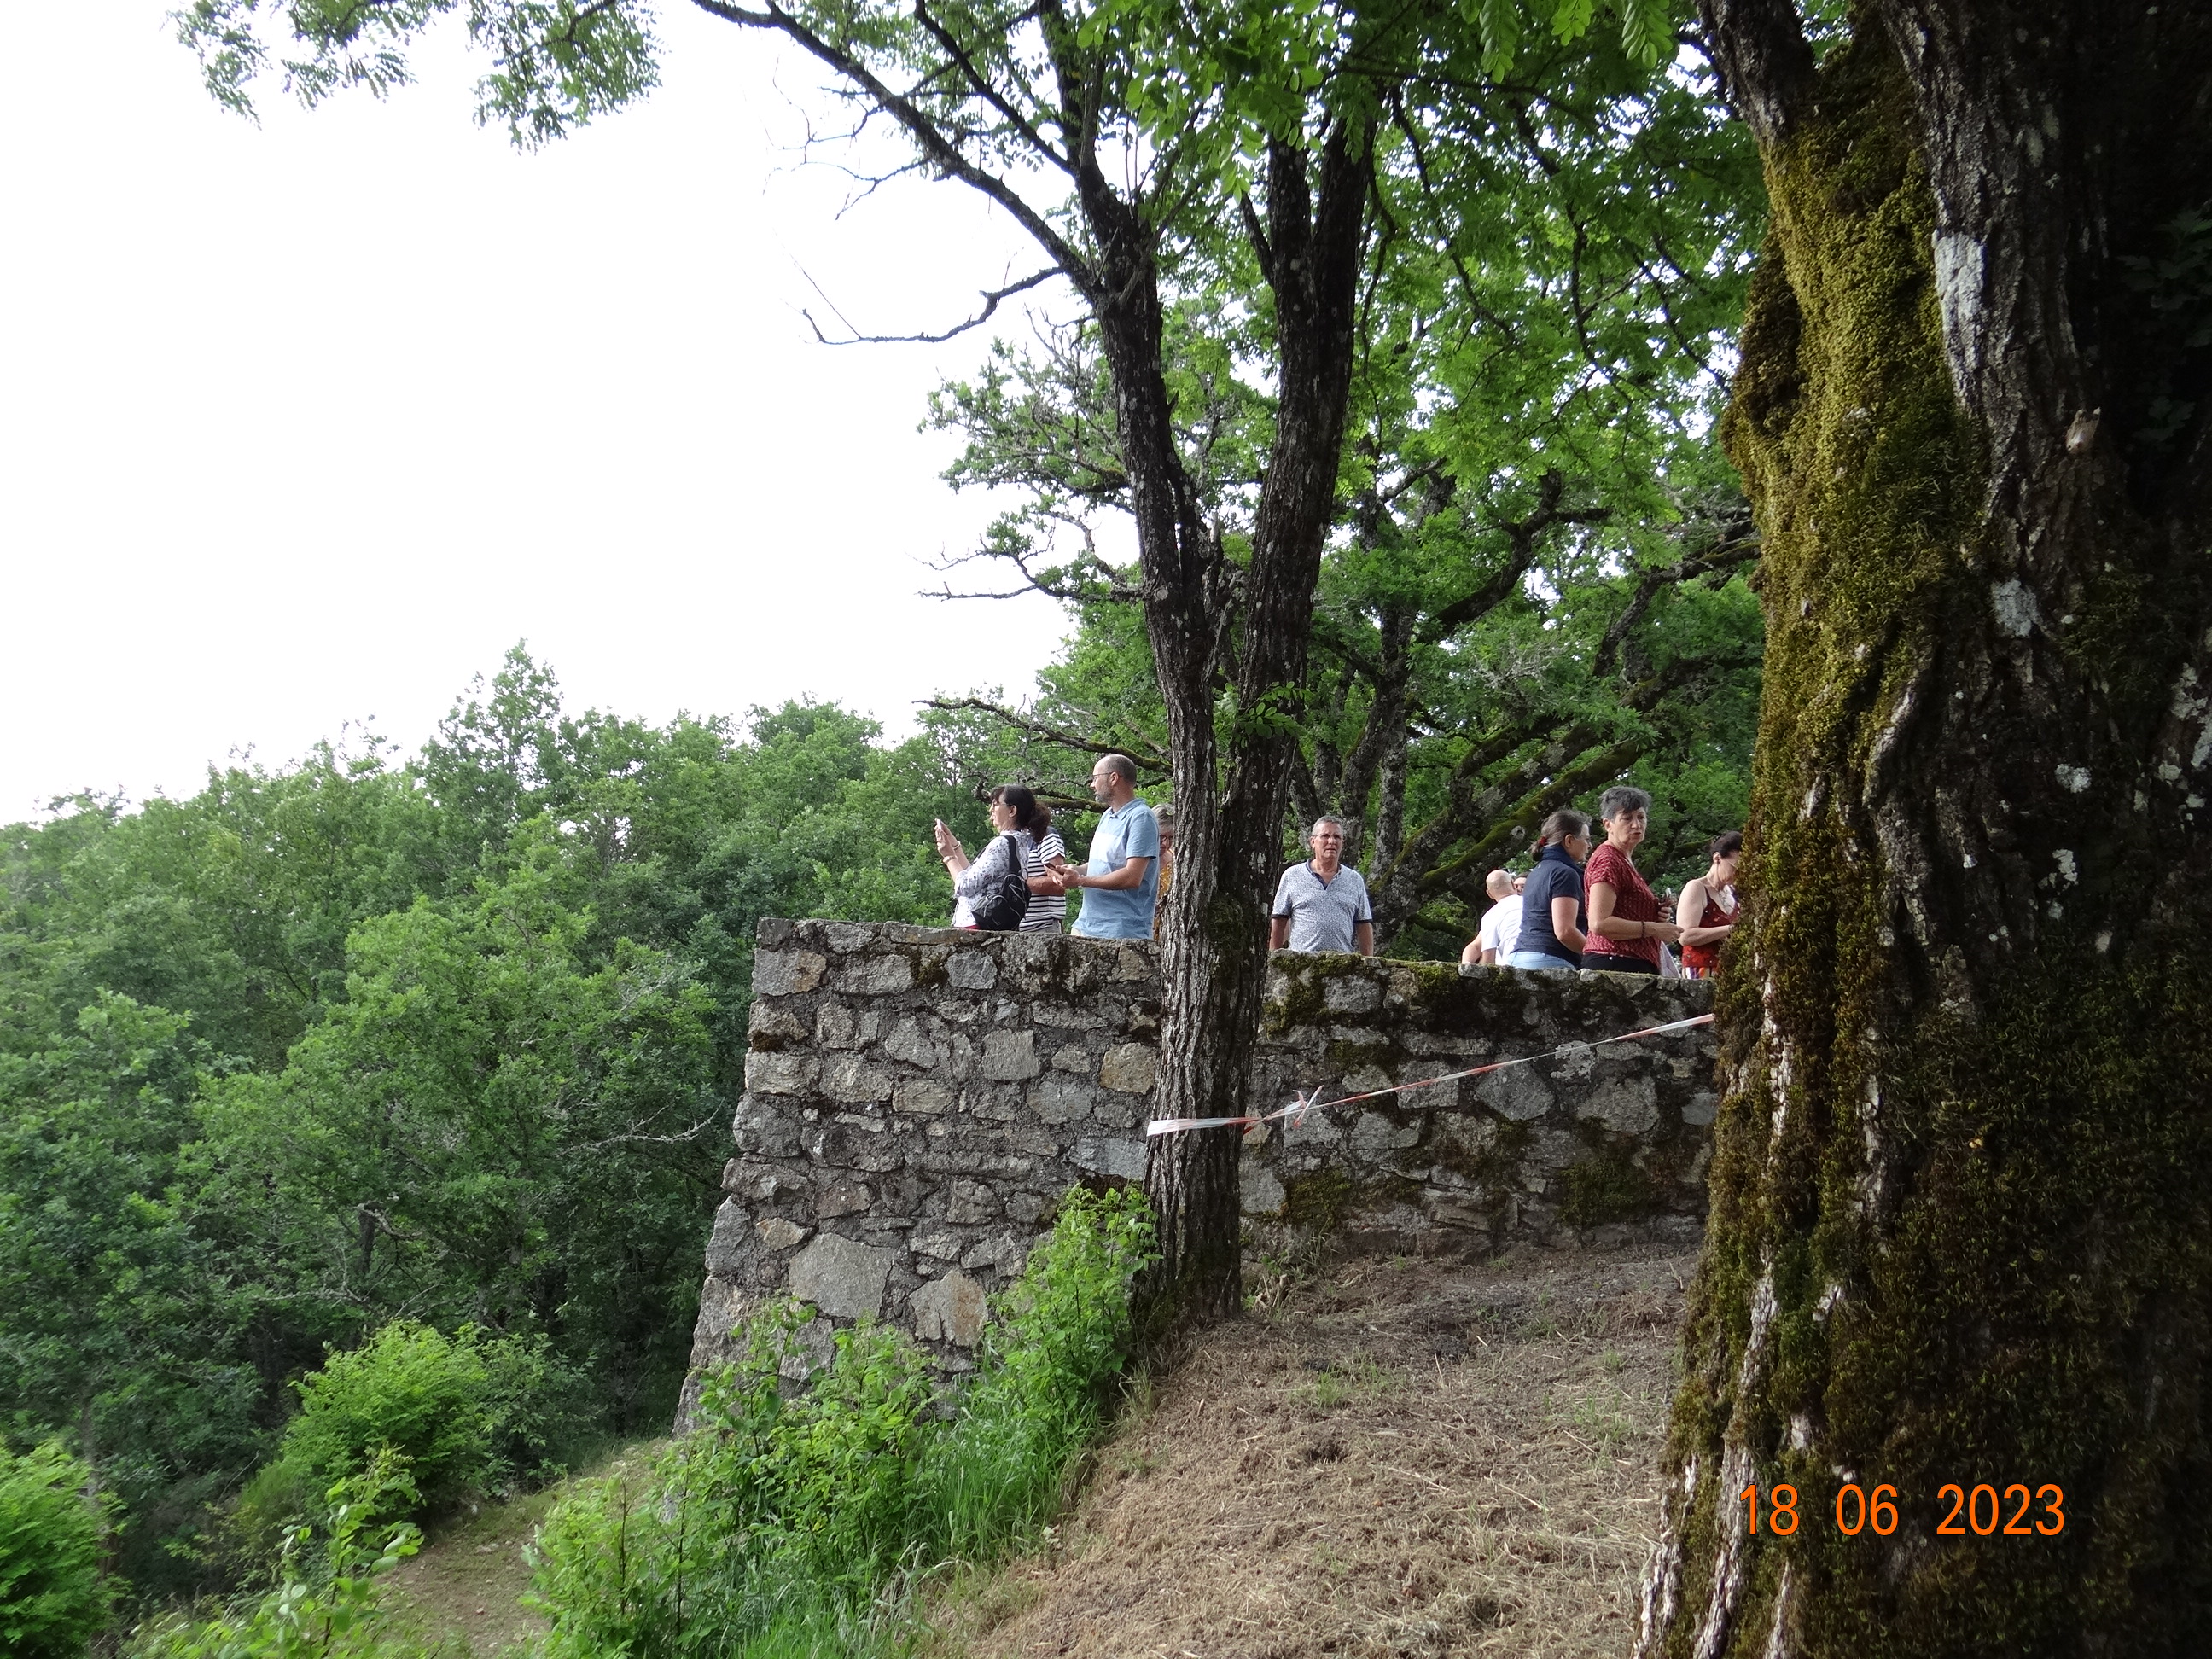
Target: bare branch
{"x":992,"y":299}
{"x":930,"y":137}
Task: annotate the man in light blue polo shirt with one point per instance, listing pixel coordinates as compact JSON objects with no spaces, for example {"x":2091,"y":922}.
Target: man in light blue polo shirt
{"x":1123,"y":881}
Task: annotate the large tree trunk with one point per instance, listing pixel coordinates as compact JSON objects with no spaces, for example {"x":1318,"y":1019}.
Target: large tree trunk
{"x":1961,"y":1224}
{"x":1212,"y":628}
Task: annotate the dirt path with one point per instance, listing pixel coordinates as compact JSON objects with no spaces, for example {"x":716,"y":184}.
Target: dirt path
{"x":1405,"y":1459}
{"x":468,"y":1579}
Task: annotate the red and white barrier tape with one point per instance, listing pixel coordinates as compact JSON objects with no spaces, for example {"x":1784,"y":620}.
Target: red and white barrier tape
{"x":1309,"y":1099}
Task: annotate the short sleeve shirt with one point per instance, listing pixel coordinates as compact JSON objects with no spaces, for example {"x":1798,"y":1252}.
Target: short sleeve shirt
{"x":1632,"y":902}
{"x":1047,"y":911}
{"x":1501,"y":926}
{"x":1323,"y":915}
{"x":1126,"y":832}
{"x":1555,"y":877}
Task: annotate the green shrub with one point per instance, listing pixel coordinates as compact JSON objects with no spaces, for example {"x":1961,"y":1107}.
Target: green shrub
{"x":465,"y":1413}
{"x":53,"y":1597}
{"x":776,"y":1527}
{"x":1041,"y":1384}
{"x":329,"y":1601}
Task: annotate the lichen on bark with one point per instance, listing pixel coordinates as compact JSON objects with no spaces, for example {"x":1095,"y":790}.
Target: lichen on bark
{"x":1957,"y":1231}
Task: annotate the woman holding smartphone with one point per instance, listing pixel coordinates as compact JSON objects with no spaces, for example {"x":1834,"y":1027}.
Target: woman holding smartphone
{"x":1016,"y":812}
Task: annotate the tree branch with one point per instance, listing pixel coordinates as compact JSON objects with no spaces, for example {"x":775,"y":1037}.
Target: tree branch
{"x":926,"y":133}
{"x":1146,"y":758}
{"x":1765,"y":62}
{"x":992,"y":298}
{"x":1741,"y":548}
{"x":986,"y":92}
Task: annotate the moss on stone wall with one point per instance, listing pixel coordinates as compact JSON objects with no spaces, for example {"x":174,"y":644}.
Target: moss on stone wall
{"x":1607,"y":1184}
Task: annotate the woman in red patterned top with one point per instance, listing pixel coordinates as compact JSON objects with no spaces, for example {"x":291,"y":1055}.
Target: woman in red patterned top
{"x":1625,"y":929}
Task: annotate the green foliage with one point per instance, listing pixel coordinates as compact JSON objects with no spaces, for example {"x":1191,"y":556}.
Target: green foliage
{"x":1041,"y":1385}
{"x":783,"y":1517}
{"x":356,"y":1040}
{"x":465,"y":1413}
{"x":53,"y":1597}
{"x":328,"y":1602}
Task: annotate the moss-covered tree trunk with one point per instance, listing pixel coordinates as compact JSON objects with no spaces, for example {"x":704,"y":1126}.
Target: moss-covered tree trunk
{"x":1962,"y":1226}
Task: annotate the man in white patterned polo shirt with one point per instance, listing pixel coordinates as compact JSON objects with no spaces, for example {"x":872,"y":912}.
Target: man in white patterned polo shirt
{"x":1322,"y":905}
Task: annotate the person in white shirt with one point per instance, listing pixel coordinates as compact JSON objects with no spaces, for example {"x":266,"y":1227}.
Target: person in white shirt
{"x":1501,"y":923}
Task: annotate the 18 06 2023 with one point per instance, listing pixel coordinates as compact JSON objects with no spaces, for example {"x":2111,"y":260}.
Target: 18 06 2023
{"x":1979,"y":1511}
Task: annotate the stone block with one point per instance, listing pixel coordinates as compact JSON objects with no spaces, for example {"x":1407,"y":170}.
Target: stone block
{"x":1367,"y":1080}
{"x":991,"y":1103}
{"x":1375,"y":1136}
{"x":774,"y":1021}
{"x":1131,"y":963}
{"x":850,"y":1079}
{"x":919,"y":1097}
{"x":938,"y":1243}
{"x":971,"y":1201}
{"x":837,"y":1026}
{"x":949,"y":1310}
{"x":1351,"y":994}
{"x":788,"y":973}
{"x":842,"y":1278}
{"x":722,"y":1304}
{"x":1124,"y":1160}
{"x":1626,"y":1104}
{"x":910,"y":1045}
{"x":1120,"y":1111}
{"x":761,"y":1127}
{"x":1003,"y":1251}
{"x":1132,"y":1068}
{"x":875,"y":976}
{"x":1024,"y":1208}
{"x":1515,"y":1093}
{"x":1073,"y":1060}
{"x":1699,"y":1108}
{"x":835,"y":1146}
{"x":1061,"y":1018}
{"x":814,"y":1345}
{"x":843,"y":1198}
{"x":1553,"y":1149}
{"x":780,"y":1234}
{"x":1458,"y":1210}
{"x":727,"y":1240}
{"x":879,"y":1154}
{"x":847,"y":937}
{"x":1010,"y":1056}
{"x":782,"y":1073}
{"x":971,"y":971}
{"x":1258,"y":1192}
{"x":1059,"y":1100}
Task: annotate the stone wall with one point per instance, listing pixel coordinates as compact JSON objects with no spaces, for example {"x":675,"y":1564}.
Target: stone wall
{"x":917,"y":1099}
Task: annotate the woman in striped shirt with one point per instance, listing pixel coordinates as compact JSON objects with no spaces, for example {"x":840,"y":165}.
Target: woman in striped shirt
{"x":1015,"y":811}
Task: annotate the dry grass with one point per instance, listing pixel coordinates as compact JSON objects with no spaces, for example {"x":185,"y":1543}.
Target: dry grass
{"x":1402,"y":1458}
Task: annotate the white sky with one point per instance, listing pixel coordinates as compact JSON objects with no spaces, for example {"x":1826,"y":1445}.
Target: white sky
{"x":306,"y":423}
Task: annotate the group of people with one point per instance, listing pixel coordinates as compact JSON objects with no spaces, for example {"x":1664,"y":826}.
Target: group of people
{"x":1120,"y":884}
{"x":1584,"y":905}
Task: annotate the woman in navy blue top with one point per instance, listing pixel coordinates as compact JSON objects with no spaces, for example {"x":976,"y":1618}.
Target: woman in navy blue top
{"x":1552,"y":925}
